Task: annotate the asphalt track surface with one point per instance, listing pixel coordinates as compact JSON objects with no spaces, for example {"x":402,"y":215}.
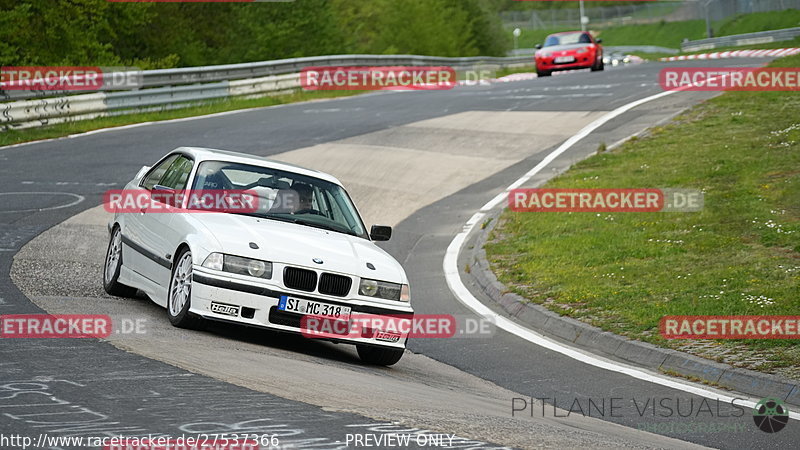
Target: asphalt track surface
{"x":171,"y":382}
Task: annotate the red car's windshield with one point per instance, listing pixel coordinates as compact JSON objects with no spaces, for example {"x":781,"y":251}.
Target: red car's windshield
{"x":567,"y":39}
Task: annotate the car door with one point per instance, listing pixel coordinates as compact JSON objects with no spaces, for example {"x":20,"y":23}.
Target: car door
{"x":136,"y":254}
{"x":147,"y":231}
{"x":158,"y":234}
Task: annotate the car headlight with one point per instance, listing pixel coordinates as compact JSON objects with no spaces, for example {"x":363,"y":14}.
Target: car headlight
{"x":238,"y":265}
{"x":384,"y":290}
{"x":582,"y":50}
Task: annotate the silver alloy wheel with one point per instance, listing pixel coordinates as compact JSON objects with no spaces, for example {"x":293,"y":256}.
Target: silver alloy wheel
{"x":113,"y":255}
{"x":180,"y":288}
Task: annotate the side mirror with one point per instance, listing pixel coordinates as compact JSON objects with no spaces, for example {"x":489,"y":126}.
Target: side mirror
{"x":599,"y":41}
{"x":380,"y":233}
{"x":538,"y":46}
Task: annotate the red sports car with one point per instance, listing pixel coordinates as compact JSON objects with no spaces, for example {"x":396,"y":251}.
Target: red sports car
{"x":568,"y":50}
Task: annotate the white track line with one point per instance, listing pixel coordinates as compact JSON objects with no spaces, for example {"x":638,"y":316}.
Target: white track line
{"x":457,"y":287}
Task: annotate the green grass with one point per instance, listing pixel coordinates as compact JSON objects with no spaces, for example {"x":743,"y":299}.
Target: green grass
{"x":65,"y":129}
{"x":509,"y":71}
{"x":622,"y":272}
{"x":782,"y":44}
{"x":663,"y":34}
{"x":750,"y":23}
{"x":670,"y":34}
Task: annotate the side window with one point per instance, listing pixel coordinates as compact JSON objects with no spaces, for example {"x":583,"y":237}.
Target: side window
{"x":178,"y":174}
{"x":155,"y":174}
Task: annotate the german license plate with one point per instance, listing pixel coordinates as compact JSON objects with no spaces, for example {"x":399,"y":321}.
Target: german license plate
{"x":564,"y":59}
{"x":313,"y":308}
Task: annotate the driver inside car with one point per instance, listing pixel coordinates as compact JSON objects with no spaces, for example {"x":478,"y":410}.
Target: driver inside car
{"x":290,"y":201}
{"x":305,"y":195}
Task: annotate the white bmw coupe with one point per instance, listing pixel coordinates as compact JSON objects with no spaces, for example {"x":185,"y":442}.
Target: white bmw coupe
{"x":295,"y":248}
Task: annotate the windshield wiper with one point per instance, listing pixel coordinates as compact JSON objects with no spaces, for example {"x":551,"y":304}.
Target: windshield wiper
{"x":300,"y":222}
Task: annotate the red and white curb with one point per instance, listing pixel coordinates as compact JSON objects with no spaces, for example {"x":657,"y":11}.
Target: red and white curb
{"x":767,"y":53}
{"x":522,"y":76}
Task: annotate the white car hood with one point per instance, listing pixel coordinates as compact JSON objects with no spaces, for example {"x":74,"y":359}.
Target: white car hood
{"x":298,"y":245}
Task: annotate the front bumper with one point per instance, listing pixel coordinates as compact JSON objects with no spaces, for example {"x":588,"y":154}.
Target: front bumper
{"x":258,"y":307}
{"x":582,"y":61}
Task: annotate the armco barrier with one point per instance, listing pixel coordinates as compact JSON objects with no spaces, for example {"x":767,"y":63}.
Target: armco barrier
{"x":228,"y":72}
{"x":175,"y":88}
{"x":736,"y":40}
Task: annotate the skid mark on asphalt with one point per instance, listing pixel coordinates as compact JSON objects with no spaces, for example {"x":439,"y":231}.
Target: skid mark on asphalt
{"x":391,"y":174}
{"x":89,"y":409}
{"x":419,"y":392}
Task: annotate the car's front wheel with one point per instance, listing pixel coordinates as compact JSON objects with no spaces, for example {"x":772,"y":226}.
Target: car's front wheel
{"x":379,"y":356}
{"x":180,"y":293}
{"x":543,"y":73}
{"x":113,"y":265}
{"x":598,"y":66}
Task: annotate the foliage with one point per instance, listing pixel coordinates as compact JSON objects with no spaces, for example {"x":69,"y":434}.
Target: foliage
{"x":149,"y":35}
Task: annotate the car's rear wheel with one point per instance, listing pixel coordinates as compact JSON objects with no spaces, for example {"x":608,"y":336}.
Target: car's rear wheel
{"x":113,"y":265}
{"x":379,"y":356}
{"x":179,"y":296}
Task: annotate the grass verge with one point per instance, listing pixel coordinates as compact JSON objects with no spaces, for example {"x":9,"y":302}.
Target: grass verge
{"x":741,"y":255}
{"x":509,"y":71}
{"x":65,"y":129}
{"x":794,"y":43}
{"x":671,"y":34}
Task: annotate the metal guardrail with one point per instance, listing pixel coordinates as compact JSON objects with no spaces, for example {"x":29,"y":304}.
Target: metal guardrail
{"x":207,"y":74}
{"x":737,"y":40}
{"x":175,"y":88}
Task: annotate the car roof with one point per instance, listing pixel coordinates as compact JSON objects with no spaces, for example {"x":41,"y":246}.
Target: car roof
{"x":569,"y":32}
{"x":201,"y":154}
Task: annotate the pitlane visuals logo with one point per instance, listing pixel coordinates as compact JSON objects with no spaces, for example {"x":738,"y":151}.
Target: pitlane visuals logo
{"x":770,"y":415}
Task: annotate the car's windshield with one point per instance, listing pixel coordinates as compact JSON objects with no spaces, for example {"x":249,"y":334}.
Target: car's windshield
{"x":285,"y":196}
{"x":567,"y":39}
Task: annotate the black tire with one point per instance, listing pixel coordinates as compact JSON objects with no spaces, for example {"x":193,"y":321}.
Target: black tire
{"x":599,"y":67}
{"x":379,"y":356}
{"x":543,"y":73}
{"x":111,"y":268}
{"x":179,"y":316}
